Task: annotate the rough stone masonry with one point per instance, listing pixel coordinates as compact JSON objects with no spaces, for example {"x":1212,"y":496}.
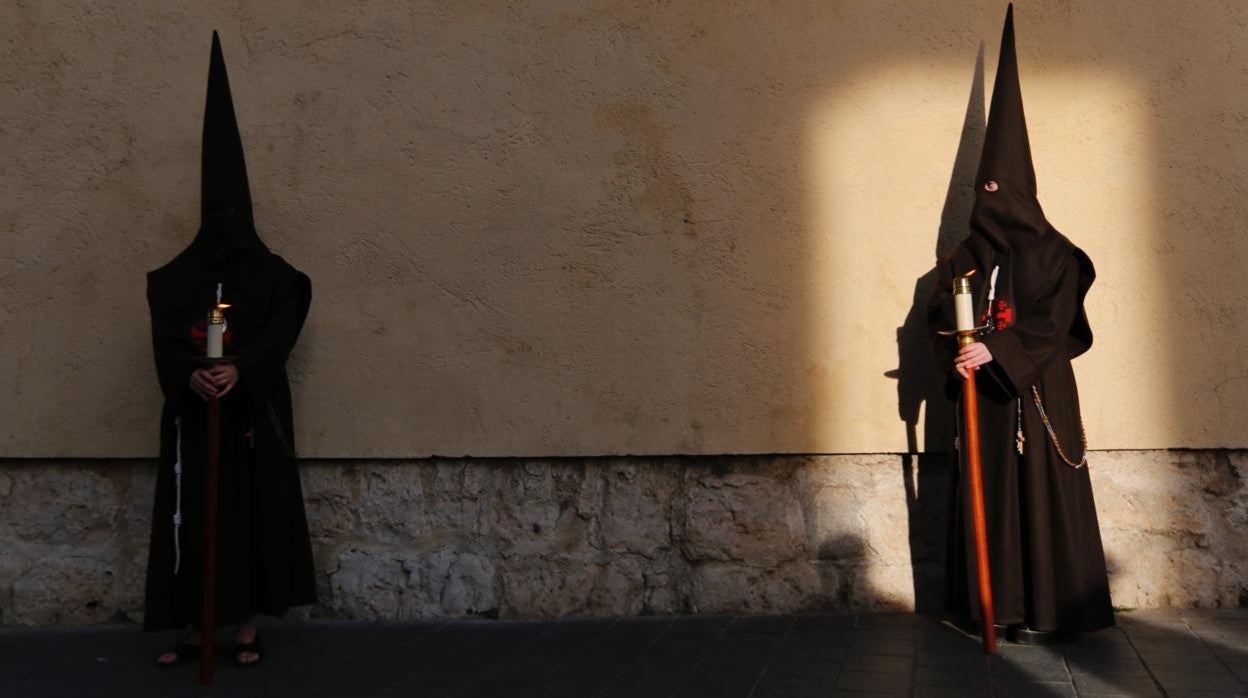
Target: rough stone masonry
{"x":606,"y":536}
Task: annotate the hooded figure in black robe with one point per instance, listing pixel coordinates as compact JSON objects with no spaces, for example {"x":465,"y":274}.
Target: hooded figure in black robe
{"x":1047,"y":563}
{"x":264,"y":551}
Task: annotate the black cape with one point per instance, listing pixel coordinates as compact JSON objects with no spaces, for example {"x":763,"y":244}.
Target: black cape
{"x":264,"y":550}
{"x":1047,"y":562}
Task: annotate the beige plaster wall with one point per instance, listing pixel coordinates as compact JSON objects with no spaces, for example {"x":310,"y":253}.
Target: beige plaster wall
{"x":602,"y":227}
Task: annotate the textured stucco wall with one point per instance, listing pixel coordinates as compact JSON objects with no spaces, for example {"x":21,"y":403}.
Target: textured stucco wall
{"x":599,"y":227}
{"x":549,"y":538}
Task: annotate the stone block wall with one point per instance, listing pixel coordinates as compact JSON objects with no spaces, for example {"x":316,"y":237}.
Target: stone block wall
{"x":627,"y":536}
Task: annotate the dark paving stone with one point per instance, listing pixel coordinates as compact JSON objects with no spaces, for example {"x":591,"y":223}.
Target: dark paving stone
{"x":662,"y":663}
{"x":952,"y":692}
{"x":760,"y":625}
{"x":488,"y":688}
{"x":1118,"y":666}
{"x":1150,"y":615}
{"x":892,"y":632}
{"x":631,"y":685}
{"x":906,"y":647}
{"x":808,"y":668}
{"x":518,"y":670}
{"x":1116,"y":685}
{"x":816,"y":652}
{"x":834,"y":621}
{"x":1231,"y":655}
{"x":1033,"y":670}
{"x":1223,"y":680}
{"x":941,"y":636}
{"x":691,"y":635}
{"x":1202,"y":613}
{"x":566,"y":687}
{"x":819,"y":636}
{"x":594,"y":667}
{"x":886,"y":663}
{"x":895,"y":620}
{"x":629,"y":638}
{"x":963,"y":659}
{"x":721,"y":656}
{"x":1175,"y":645}
{"x":1028,"y":654}
{"x":952,"y":677}
{"x":1204,"y":661}
{"x":752,"y":660}
{"x":1032,"y":689}
{"x":872,"y":681}
{"x":702,"y":624}
{"x":1239,"y":669}
{"x":562,"y":640}
{"x":749,"y":642}
{"x":792,"y":687}
{"x":720,"y":681}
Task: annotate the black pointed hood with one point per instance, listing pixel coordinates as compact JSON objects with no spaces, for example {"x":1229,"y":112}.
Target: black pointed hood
{"x":1006,"y":156}
{"x":225,"y":194}
{"x":226,"y":249}
{"x":227,"y":236}
{"x":1008,"y":226}
{"x":1009,"y":217}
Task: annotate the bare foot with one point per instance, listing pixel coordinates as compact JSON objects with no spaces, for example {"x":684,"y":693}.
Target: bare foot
{"x":246,"y":635}
{"x":181,"y":652}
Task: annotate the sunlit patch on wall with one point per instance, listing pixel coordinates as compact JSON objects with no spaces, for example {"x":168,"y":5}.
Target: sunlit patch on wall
{"x":880,"y":158}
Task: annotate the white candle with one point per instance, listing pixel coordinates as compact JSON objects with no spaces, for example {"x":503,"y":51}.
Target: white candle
{"x":216,"y":328}
{"x":216,"y":339}
{"x":965,"y":311}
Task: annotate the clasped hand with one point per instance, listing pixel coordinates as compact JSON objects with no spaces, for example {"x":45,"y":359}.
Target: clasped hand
{"x":216,"y":381}
{"x":971,"y":356}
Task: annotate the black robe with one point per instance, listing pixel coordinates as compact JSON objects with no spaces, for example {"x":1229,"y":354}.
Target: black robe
{"x":264,"y":553}
{"x":264,"y":550}
{"x":1047,"y":563}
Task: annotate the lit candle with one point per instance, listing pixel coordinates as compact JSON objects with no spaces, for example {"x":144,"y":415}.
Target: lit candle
{"x":216,"y":328}
{"x":963,"y":304}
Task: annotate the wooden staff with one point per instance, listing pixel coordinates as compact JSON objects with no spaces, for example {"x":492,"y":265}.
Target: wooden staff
{"x":211,"y":481}
{"x":974,"y":468}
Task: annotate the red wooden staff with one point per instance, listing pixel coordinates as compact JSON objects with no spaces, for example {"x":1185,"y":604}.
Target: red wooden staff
{"x":974,"y":469}
{"x":215,"y":339}
{"x":966,"y":333}
{"x":211,"y":481}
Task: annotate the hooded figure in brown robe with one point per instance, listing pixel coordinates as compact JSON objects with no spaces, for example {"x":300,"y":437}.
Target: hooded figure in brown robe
{"x":264,"y":561}
{"x":1047,"y":564}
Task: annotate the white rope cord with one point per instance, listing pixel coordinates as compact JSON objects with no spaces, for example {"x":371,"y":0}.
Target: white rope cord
{"x":177,"y":514}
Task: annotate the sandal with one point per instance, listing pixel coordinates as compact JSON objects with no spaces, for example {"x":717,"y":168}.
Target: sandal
{"x":183,"y":652}
{"x":255,"y":647}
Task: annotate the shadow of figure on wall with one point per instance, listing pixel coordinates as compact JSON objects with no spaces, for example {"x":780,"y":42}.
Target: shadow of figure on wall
{"x":927,"y":473}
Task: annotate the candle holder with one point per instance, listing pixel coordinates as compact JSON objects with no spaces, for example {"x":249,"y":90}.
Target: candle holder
{"x":965,"y":337}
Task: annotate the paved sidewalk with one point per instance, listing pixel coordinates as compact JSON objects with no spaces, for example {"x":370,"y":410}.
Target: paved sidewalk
{"x":1152,"y":653}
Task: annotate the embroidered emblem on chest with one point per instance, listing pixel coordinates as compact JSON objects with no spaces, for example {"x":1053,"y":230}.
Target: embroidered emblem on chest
{"x":999,"y":313}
